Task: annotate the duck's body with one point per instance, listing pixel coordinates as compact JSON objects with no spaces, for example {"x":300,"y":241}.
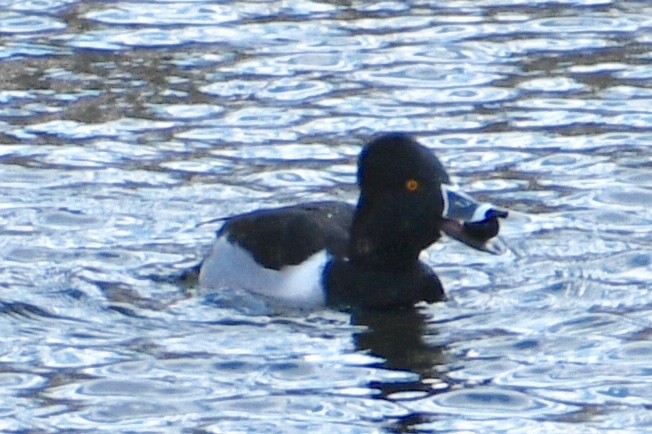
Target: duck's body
{"x":280,"y":253}
{"x":341,"y":255}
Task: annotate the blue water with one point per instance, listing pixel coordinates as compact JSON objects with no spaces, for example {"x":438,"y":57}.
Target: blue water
{"x":126,"y":128}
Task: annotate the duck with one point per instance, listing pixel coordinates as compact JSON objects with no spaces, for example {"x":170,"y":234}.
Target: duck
{"x":355,"y":256}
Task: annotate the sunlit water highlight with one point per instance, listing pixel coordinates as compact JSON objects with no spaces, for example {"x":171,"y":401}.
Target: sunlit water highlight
{"x":127,"y":128}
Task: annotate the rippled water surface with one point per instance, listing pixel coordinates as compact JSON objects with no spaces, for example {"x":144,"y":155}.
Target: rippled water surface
{"x":126,"y":128}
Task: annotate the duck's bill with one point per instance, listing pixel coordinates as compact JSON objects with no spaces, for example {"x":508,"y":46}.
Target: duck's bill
{"x":471,"y":222}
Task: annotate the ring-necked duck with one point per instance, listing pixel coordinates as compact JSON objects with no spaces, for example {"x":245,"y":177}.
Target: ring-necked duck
{"x":363,"y":256}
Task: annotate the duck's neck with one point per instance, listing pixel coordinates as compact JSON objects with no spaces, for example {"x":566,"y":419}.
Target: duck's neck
{"x":379,"y":240}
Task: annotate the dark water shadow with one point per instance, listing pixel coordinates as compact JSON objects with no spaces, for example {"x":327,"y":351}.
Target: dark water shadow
{"x":397,"y":336}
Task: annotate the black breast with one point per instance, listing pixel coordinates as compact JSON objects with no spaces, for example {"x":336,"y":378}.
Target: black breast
{"x":288,"y":236}
{"x":356,"y":286}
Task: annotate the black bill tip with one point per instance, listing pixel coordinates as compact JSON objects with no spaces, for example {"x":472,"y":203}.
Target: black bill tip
{"x":487,"y":228}
{"x":478,"y":235}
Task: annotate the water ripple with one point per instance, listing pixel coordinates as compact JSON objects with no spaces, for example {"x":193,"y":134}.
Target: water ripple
{"x":129,"y":129}
{"x":533,"y":45}
{"x":477,"y":95}
{"x":185,"y":111}
{"x":426,"y":76}
{"x":78,"y":130}
{"x":173,"y":14}
{"x":235,"y":135}
{"x":287,"y":152}
{"x":39,"y":5}
{"x":370,"y":105}
{"x":16,"y":23}
{"x":489,"y":403}
{"x":26,"y":49}
{"x":579,"y":24}
{"x":295,"y":90}
{"x":284,"y":65}
{"x":637,"y":72}
{"x":558,"y":84}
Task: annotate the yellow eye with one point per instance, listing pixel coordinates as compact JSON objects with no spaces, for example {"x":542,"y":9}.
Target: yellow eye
{"x":412,"y":185}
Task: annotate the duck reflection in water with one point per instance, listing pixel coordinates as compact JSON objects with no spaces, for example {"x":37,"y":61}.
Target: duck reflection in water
{"x":397,"y":337}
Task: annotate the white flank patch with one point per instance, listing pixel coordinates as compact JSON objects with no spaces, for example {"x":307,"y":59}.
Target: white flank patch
{"x":231,"y":266}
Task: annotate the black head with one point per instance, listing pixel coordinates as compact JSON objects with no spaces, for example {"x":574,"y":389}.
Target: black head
{"x":389,"y":160}
{"x":401,"y":204}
